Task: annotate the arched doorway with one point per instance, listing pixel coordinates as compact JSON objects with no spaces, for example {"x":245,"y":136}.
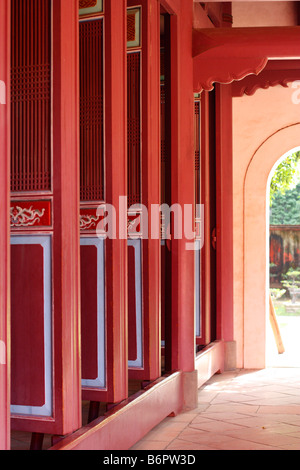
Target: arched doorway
{"x":282,"y":341}
{"x":256,"y":241}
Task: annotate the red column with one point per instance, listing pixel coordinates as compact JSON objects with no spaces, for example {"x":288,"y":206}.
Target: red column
{"x":151,"y":184}
{"x":182,"y":174}
{"x":66,"y":274}
{"x":208,"y":200}
{"x":224,"y":226}
{"x":116,"y":185}
{"x":4,"y":233}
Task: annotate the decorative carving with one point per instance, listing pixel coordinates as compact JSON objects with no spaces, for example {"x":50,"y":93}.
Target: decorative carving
{"x":133,"y":27}
{"x":30,"y":213}
{"x":88,"y":221}
{"x":24,"y":217}
{"x":90,"y":218}
{"x":87,"y":3}
{"x":134,"y":225}
{"x":131,"y":32}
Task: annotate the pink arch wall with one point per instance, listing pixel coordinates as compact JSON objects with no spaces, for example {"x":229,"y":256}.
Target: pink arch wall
{"x":265,"y":127}
{"x":256,"y":241}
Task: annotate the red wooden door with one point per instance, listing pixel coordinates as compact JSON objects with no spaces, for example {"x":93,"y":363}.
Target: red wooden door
{"x":44,"y":218}
{"x":205,"y":259}
{"x":134,"y":127}
{"x":199,"y":221}
{"x":102,"y":177}
{"x":166,"y":265}
{"x":31,"y":215}
{"x":143,"y":158}
{"x":93,"y":324}
{"x":142,"y":329}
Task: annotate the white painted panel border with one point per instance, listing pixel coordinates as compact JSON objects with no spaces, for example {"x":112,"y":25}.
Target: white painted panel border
{"x":45,"y":242}
{"x":100,"y":381}
{"x":163,"y":343}
{"x":137,"y":244}
{"x":197,"y":288}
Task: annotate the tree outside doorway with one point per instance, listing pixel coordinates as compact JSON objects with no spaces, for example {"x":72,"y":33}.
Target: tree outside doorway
{"x":284,"y":266}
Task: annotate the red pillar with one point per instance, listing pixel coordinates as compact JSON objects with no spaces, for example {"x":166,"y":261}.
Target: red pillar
{"x":224,"y":232}
{"x":208,"y":199}
{"x":116,"y":185}
{"x":182,"y":174}
{"x":4,"y":233}
{"x":151,"y":184}
{"x":66,"y":273}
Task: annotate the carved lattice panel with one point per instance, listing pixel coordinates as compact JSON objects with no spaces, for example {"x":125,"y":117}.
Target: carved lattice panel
{"x":197,"y":151}
{"x":91,"y":111}
{"x":134,"y":128}
{"x":90,"y":7}
{"x":31,"y":95}
{"x":133,"y":28}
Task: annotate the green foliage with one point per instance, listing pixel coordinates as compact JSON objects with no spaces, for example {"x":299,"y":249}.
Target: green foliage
{"x":285,"y":193}
{"x":285,"y":209}
{"x":292,"y":278}
{"x":292,"y":283}
{"x":284,"y":176}
{"x":277,"y":293}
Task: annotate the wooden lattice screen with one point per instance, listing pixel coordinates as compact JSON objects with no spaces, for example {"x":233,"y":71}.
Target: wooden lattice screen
{"x":197,"y":152}
{"x":134,"y":139}
{"x":31,"y":95}
{"x":165,"y":107}
{"x":91,"y":111}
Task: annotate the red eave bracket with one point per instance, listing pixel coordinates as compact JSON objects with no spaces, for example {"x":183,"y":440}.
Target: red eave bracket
{"x":209,"y":71}
{"x":224,"y":55}
{"x":276,"y":72}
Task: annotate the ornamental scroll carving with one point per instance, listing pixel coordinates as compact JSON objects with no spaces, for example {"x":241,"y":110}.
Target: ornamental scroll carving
{"x":30,"y":214}
{"x":24,"y":217}
{"x":88,"y":221}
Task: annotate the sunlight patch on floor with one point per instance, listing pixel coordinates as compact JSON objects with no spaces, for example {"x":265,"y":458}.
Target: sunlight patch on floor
{"x":290,"y":333}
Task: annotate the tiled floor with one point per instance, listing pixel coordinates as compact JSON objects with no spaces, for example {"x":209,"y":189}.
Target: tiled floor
{"x":240,"y":410}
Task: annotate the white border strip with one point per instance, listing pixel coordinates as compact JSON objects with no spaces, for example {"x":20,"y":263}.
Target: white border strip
{"x":197,"y":288}
{"x":45,"y":242}
{"x":100,"y":381}
{"x":137,"y":244}
{"x":98,"y":8}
